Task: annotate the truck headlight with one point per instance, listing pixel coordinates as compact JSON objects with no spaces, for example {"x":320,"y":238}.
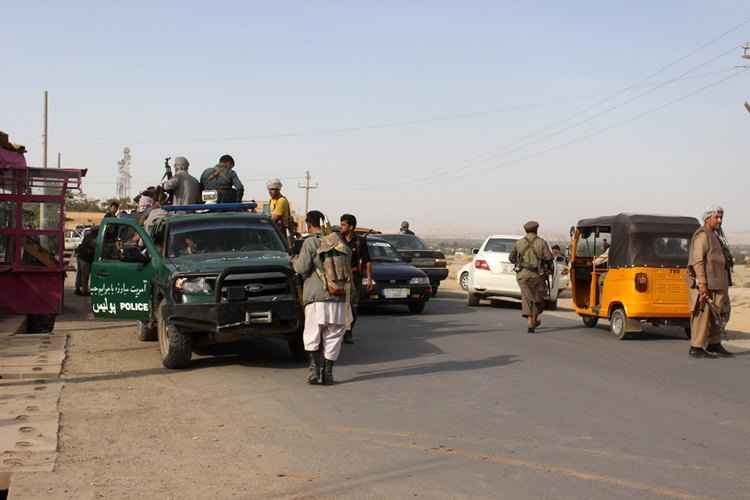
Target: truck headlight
{"x":193,"y":286}
{"x":420,"y":280}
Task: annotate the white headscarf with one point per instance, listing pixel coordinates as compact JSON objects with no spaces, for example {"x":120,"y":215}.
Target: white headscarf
{"x":273,"y":184}
{"x":711,"y":211}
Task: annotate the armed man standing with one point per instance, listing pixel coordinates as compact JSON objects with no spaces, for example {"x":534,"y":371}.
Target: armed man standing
{"x":533,"y":260}
{"x":223,"y":179}
{"x":185,"y":188}
{"x":710,"y":276}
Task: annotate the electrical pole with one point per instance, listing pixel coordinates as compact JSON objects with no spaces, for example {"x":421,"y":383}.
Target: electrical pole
{"x":44,"y":133}
{"x":307,"y":187}
{"x":59,"y":159}
{"x":746,"y":55}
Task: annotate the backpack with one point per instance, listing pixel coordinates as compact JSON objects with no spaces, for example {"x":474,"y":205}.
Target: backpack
{"x":532,"y":260}
{"x":336,"y":258}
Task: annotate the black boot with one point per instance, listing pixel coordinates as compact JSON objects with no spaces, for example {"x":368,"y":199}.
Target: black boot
{"x":699,"y":352}
{"x":328,"y":372}
{"x":719,"y":350}
{"x":313,"y":378}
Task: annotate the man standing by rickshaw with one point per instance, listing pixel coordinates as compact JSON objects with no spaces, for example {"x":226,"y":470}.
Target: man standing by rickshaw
{"x":533,"y":261}
{"x":710,"y":276}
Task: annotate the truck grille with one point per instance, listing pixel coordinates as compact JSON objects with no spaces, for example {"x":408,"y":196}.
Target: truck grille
{"x":243,"y":286}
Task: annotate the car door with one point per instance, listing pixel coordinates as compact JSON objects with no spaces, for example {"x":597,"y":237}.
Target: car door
{"x":122,"y":271}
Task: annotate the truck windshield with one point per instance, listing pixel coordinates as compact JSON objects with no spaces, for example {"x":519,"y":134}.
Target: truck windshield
{"x":212,"y":236}
{"x":404,"y":241}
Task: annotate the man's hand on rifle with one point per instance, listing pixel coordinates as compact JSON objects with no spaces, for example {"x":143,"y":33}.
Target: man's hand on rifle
{"x":702,"y":294}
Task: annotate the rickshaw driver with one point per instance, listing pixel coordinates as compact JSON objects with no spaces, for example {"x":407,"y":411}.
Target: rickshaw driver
{"x":709,"y":277}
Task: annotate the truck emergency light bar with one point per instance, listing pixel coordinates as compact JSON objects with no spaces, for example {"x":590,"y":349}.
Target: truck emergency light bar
{"x":212,"y":207}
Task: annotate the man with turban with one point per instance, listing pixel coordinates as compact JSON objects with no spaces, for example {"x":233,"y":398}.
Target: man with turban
{"x":710,"y":276}
{"x":533,"y":261}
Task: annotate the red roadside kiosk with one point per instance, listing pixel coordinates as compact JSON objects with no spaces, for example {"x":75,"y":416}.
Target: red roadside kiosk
{"x":32,"y":223}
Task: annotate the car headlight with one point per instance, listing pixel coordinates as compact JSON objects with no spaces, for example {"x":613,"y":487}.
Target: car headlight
{"x":420,"y":280}
{"x":193,"y":286}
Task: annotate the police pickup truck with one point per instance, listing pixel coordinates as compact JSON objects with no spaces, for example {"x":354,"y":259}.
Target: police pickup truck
{"x":204,"y":275}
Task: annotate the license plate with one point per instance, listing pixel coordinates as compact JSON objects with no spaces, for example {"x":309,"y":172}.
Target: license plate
{"x":263,"y":317}
{"x":396,"y":293}
{"x":422,"y":262}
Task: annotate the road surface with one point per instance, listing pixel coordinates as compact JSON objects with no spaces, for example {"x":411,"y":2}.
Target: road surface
{"x":457,"y":402}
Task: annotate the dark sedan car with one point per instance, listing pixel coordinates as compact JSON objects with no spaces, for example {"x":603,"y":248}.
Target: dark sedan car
{"x":415,"y":252}
{"x":396,"y":282}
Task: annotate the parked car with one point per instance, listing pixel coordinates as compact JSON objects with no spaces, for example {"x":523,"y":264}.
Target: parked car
{"x":463,"y":276}
{"x":73,"y":238}
{"x":415,"y":252}
{"x":198,"y":279}
{"x":491,"y":275}
{"x":396,"y":282}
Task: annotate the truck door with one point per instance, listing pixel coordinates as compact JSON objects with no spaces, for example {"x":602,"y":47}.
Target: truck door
{"x":122,"y":270}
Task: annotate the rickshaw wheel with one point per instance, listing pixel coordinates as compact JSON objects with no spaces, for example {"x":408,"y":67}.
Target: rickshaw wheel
{"x":590,"y":321}
{"x":618,"y":322}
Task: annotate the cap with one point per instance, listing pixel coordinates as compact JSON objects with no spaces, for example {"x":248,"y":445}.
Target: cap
{"x":531,"y":226}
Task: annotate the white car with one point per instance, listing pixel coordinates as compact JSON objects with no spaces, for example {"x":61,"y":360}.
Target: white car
{"x":491,"y":275}
{"x":73,"y":238}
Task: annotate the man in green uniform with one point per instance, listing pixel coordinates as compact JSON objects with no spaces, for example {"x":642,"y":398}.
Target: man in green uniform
{"x":533,"y":261}
{"x":710,"y":276}
{"x":224,"y":180}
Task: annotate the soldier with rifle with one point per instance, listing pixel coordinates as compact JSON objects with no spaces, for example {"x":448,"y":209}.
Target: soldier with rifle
{"x":183,"y":188}
{"x":223,"y":179}
{"x":533,"y":265}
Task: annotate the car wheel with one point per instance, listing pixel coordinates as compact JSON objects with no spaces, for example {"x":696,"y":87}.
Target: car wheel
{"x":417,"y":307}
{"x":146,"y":332}
{"x":175,"y":347}
{"x":618,"y":323}
{"x":464,"y":281}
{"x":473,"y":300}
{"x":590,"y":321}
{"x":550,"y":305}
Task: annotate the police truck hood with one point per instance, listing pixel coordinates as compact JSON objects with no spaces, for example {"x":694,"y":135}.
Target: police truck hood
{"x":217,"y":262}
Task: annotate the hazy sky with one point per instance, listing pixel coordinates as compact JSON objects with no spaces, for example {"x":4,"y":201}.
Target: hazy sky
{"x":458,"y":116}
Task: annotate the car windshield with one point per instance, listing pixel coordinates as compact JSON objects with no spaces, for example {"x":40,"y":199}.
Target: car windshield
{"x":212,"y":236}
{"x":500,"y":245}
{"x":404,"y":241}
{"x":382,"y":251}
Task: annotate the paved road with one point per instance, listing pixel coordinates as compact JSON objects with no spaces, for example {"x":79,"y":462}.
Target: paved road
{"x":454,"y":403}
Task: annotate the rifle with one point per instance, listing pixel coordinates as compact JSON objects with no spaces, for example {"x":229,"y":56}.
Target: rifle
{"x":168,"y":175}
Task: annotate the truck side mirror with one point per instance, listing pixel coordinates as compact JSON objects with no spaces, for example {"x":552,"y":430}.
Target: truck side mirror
{"x":474,"y":251}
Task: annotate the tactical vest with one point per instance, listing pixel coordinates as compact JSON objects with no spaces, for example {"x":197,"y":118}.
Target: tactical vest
{"x":717,"y":270}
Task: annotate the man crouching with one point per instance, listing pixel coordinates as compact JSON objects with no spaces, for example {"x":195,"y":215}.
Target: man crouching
{"x":325,"y":265}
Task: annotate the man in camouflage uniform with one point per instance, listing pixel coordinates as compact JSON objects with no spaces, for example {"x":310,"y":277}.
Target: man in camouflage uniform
{"x":223,"y":179}
{"x":533,"y":261}
{"x":710,"y":276}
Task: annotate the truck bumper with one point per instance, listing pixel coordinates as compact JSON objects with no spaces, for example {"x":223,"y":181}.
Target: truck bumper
{"x":232,"y":320}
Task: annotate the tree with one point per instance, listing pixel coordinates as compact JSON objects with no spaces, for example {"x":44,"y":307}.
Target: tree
{"x":79,"y":202}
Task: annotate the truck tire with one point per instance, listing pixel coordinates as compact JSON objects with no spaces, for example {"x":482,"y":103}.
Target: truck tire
{"x":590,"y":321}
{"x":435,"y":289}
{"x":473,"y":300}
{"x":417,"y":307}
{"x":146,"y":332}
{"x":40,"y":323}
{"x":618,"y":323}
{"x":175,"y":347}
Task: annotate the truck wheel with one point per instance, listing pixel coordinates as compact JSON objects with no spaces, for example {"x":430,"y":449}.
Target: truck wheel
{"x":417,"y":307}
{"x":550,"y":305}
{"x":297,"y":348}
{"x":174,"y":346}
{"x":473,"y":300}
{"x":146,"y":332}
{"x":618,"y":323}
{"x":40,"y":323}
{"x":590,"y":321}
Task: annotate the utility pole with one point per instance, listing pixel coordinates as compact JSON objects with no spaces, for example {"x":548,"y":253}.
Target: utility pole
{"x":59,"y":159}
{"x":44,"y":133}
{"x":307,"y":187}
{"x":746,"y":55}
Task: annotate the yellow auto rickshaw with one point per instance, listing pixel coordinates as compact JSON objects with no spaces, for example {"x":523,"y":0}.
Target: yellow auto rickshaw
{"x":631,"y":270}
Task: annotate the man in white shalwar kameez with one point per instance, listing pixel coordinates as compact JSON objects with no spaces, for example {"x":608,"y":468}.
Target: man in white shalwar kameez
{"x":326,"y":316}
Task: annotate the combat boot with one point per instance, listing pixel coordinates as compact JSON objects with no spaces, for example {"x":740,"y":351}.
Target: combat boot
{"x":327,"y":372}
{"x":313,"y":378}
{"x":719,"y":350}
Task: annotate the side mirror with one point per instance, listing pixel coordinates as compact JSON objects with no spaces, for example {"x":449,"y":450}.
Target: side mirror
{"x":132,"y":254}
{"x":474,"y":251}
